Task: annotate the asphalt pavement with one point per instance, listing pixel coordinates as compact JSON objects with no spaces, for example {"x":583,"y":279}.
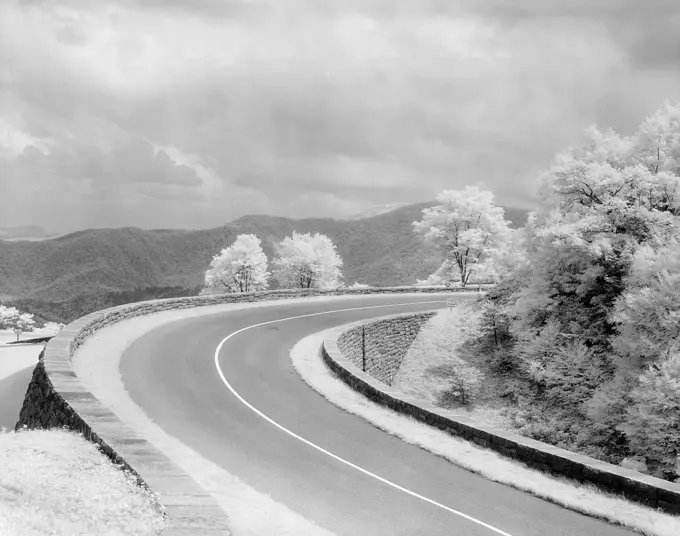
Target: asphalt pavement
{"x":171,"y":374}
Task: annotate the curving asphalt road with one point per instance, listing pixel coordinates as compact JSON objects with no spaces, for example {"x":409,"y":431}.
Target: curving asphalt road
{"x":171,"y":374}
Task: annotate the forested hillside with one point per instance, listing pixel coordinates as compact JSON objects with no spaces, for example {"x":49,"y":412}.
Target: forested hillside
{"x":586,"y":332}
{"x":64,"y":278}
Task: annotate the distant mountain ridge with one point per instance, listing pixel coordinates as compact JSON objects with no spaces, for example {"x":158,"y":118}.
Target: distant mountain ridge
{"x":71,"y":275}
{"x":377,"y":210}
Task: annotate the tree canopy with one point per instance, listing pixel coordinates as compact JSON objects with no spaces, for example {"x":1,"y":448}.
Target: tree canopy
{"x":12,"y":318}
{"x":468,"y":231}
{"x":307,"y":261}
{"x":242,"y":267}
{"x":590,"y":320}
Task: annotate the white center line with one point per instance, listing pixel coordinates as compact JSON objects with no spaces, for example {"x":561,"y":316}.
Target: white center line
{"x":324,"y":451}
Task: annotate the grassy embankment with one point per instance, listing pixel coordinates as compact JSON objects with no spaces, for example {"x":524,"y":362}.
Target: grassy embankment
{"x":440,"y":356}
{"x":57,"y":482}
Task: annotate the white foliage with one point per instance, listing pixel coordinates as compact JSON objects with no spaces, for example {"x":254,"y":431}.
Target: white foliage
{"x":307,"y":261}
{"x":648,"y":312}
{"x":12,"y":318}
{"x":467,"y":229}
{"x":610,"y":206}
{"x":656,"y":144}
{"x":242,"y":267}
{"x":608,"y":184}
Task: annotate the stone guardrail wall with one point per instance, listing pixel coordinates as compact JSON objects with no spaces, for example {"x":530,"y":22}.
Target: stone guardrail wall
{"x":341,"y":348}
{"x":379,"y":348}
{"x":56,"y":398}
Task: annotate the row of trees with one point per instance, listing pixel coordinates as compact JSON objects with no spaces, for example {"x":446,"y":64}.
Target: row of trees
{"x":302,"y":261}
{"x":586,"y":327}
{"x":466,"y":227}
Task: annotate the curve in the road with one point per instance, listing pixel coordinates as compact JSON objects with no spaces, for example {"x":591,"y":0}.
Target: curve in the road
{"x":321,"y":449}
{"x":171,"y":374}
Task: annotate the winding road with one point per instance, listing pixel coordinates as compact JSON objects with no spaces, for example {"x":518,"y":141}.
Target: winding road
{"x":347,"y":476}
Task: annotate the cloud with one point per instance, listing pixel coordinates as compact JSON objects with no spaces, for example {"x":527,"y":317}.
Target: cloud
{"x":312,"y":107}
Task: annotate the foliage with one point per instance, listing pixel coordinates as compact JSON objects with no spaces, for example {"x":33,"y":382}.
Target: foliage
{"x":468,"y":231}
{"x":648,"y":312}
{"x":464,"y":380}
{"x":307,"y":261}
{"x":587,"y":325}
{"x":64,"y":278}
{"x":242,"y":267}
{"x":653,"y":418}
{"x":12,"y":318}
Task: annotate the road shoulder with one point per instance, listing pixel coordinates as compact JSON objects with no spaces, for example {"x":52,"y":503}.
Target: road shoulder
{"x":306,"y":358}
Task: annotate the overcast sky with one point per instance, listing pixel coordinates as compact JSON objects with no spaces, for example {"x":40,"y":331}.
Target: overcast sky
{"x":190,"y":113}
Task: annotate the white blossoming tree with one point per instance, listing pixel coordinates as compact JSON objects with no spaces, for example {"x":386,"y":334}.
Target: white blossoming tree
{"x":467,"y":229}
{"x":12,"y":318}
{"x":242,"y":267}
{"x":307,"y":261}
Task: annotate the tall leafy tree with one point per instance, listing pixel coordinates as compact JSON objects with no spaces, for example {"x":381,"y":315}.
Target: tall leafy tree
{"x":652,"y":419}
{"x":242,"y":267}
{"x":600,"y":203}
{"x":467,"y":229}
{"x":594,"y":319}
{"x":307,"y":261}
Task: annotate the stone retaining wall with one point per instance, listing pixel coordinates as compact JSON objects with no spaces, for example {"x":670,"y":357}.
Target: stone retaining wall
{"x":379,"y":348}
{"x":56,"y":398}
{"x":635,"y":486}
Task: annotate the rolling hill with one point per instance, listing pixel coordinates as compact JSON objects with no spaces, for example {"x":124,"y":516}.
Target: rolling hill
{"x":63,"y":278}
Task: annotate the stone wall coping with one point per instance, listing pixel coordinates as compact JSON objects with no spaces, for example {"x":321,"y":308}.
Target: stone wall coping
{"x":188,"y":508}
{"x":549,"y":458}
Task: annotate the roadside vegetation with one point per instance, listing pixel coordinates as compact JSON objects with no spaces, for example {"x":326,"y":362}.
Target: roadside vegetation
{"x":57,"y":482}
{"x":583,"y":498}
{"x":580,"y":340}
{"x":441,"y":369}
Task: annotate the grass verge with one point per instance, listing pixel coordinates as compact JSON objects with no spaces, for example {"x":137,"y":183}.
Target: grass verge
{"x":426,"y":372}
{"x":586,"y":499}
{"x":57,"y":482}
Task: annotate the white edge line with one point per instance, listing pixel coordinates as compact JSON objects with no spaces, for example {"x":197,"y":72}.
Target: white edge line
{"x":317,"y":447}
